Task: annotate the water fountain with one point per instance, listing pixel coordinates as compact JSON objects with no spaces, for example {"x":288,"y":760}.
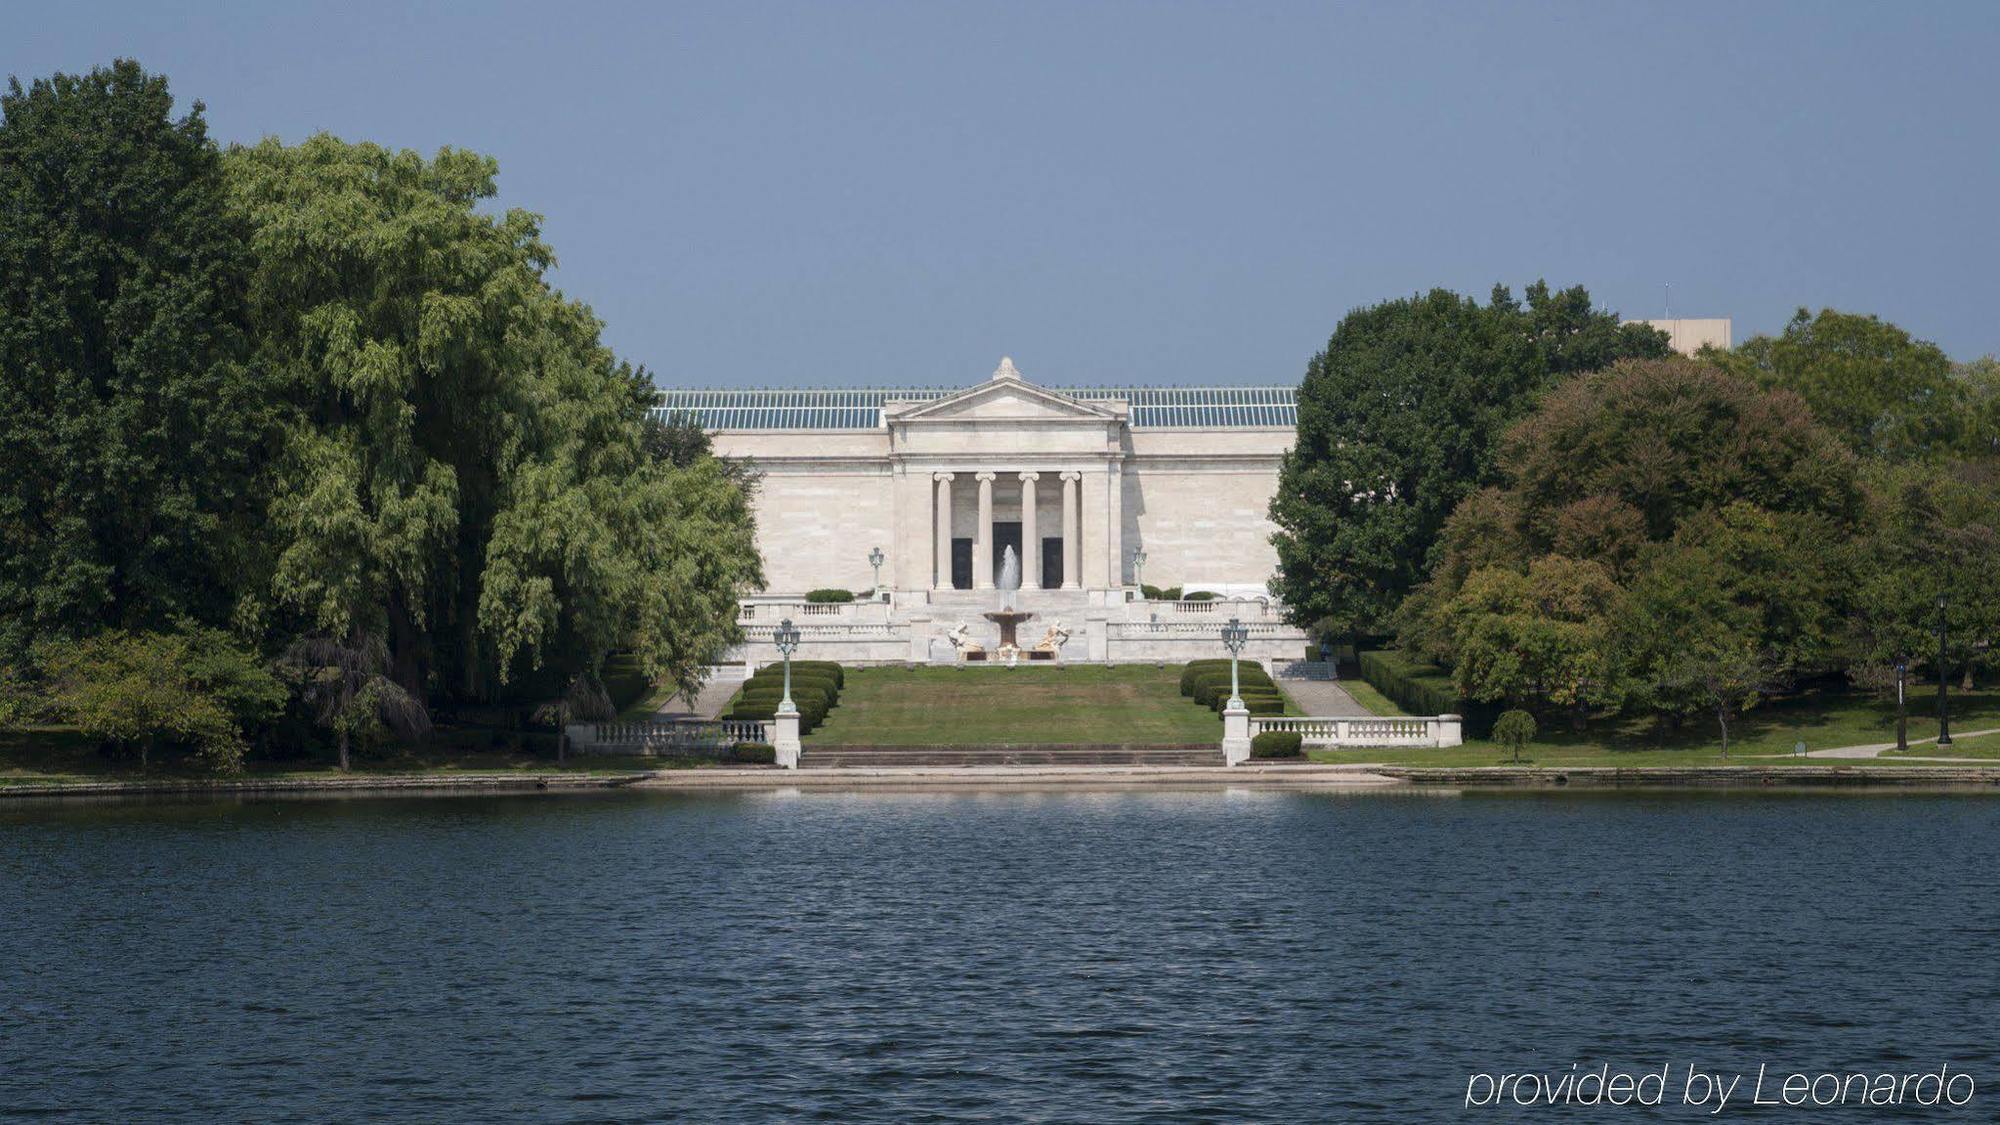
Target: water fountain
{"x":1008,"y":616}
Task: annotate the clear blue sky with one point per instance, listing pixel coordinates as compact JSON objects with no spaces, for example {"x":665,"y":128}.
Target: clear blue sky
{"x":839,"y":193}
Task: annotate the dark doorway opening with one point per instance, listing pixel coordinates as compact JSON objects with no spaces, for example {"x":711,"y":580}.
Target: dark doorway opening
{"x":961,"y":564}
{"x":1052,"y":563}
{"x":1006,"y":535}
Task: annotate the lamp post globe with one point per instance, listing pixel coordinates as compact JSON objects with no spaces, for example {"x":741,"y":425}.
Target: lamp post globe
{"x":875,"y":559}
{"x":1235,"y":636}
{"x":1944,"y":712}
{"x":786,"y":637}
{"x":1138,"y":568}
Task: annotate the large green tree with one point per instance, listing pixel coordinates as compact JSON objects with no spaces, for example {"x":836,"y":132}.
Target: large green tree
{"x":130,"y":428}
{"x":465,"y":476}
{"x":1400,"y":418}
{"x":1884,"y":392}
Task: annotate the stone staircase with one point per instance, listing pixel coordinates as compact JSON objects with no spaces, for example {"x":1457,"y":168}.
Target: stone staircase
{"x":907,"y":757}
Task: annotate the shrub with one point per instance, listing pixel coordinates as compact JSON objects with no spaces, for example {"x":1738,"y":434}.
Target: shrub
{"x":753,"y":754}
{"x":1211,"y":685}
{"x":838,"y":673}
{"x":196,"y":689}
{"x":829,"y":595}
{"x":775,"y":685}
{"x":624,"y":681}
{"x":1258,"y":702}
{"x":1514,"y":729}
{"x":1277,"y":744}
{"x":1161,"y":593}
{"x":1423,"y":689}
{"x":1200,"y":596}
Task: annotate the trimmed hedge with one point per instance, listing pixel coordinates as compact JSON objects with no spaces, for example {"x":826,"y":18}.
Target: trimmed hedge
{"x":1160,"y":593}
{"x":1200,"y":596}
{"x":753,"y":754}
{"x":815,"y":691}
{"x":1213,"y":685}
{"x":1277,"y":744}
{"x":1258,"y":703}
{"x":1248,"y":672}
{"x":1422,"y":688}
{"x":829,"y":595}
{"x":623,"y":680}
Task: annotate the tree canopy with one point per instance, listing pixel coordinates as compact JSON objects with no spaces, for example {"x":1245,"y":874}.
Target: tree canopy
{"x":131,"y":428}
{"x":465,"y":473}
{"x":320,"y":397}
{"x":1885,"y":393}
{"x":1400,"y":419}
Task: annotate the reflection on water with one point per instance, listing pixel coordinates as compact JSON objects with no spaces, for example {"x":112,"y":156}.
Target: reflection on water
{"x":1100,"y":956}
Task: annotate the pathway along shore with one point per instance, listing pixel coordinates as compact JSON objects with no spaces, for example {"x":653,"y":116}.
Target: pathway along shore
{"x":1357,"y":776}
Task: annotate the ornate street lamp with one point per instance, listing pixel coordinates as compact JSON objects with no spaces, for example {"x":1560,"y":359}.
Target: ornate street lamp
{"x":875,"y":559}
{"x":1234,"y":636}
{"x":786,"y":637}
{"x":1944,"y":716}
{"x":1138,"y":568}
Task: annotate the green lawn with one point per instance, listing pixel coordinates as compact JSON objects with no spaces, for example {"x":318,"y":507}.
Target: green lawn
{"x":1765,"y":735}
{"x":1365,"y":694}
{"x":54,"y":755}
{"x":1129,"y":705}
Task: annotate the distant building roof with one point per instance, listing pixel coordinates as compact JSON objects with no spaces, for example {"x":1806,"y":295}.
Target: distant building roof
{"x":1688,"y":335}
{"x":860,"y":408}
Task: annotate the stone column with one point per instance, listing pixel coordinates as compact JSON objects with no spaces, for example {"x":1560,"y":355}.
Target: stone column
{"x":982,"y":536}
{"x":1072,"y":533}
{"x":1031,"y":538}
{"x":943,"y":531}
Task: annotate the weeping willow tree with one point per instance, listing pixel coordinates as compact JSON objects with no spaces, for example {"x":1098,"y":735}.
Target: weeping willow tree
{"x":465,"y":479}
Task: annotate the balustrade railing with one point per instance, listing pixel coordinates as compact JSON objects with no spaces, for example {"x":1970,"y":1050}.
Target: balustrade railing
{"x":653,"y":737}
{"x":1381,"y":731}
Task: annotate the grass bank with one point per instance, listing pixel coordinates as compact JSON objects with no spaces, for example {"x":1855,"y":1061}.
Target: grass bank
{"x":1127,"y":705}
{"x":1763,"y":736}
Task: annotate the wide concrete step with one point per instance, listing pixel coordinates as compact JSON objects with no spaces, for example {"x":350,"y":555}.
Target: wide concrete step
{"x":906,"y":757}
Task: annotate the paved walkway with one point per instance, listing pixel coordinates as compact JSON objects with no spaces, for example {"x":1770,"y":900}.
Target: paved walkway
{"x":1323,"y":699}
{"x":707,"y":705}
{"x":1876,"y":749}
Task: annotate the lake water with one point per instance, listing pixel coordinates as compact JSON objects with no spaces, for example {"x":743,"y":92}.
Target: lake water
{"x":1099,"y":957}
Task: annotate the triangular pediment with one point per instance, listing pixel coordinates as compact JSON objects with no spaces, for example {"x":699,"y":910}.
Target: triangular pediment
{"x":1002,"y":400}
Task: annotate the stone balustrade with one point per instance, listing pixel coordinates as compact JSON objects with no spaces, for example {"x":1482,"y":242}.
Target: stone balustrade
{"x":1375,"y":731}
{"x":665,"y":737}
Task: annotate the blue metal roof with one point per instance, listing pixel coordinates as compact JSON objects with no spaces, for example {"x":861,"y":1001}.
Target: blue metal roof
{"x":860,"y":408}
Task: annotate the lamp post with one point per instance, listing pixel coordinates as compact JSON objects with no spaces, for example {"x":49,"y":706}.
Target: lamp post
{"x":1944,"y":715}
{"x":1138,"y":568}
{"x":1235,"y":635}
{"x":875,"y":559}
{"x":1902,"y":709}
{"x":786,"y":637}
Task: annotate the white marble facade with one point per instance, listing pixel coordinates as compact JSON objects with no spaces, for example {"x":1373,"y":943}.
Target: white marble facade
{"x":1008,"y":452}
{"x":931,"y":480}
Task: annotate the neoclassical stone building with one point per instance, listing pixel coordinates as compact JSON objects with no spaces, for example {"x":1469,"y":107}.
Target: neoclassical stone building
{"x":1094,"y":489}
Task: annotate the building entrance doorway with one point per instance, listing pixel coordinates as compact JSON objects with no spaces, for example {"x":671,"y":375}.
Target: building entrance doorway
{"x":1052,"y":563}
{"x":1007,"y":535}
{"x":961,"y":564}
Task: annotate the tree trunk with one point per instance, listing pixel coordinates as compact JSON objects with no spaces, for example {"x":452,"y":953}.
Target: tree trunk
{"x":1722,"y":719}
{"x":1579,"y":716}
{"x":343,"y":752}
{"x":146,"y":754}
{"x":1966,"y":683}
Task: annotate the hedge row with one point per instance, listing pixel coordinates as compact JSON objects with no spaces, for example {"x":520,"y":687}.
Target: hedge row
{"x":1422,"y":688}
{"x":816,"y":688}
{"x":624,"y":681}
{"x":829,"y":595}
{"x":1277,"y":744}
